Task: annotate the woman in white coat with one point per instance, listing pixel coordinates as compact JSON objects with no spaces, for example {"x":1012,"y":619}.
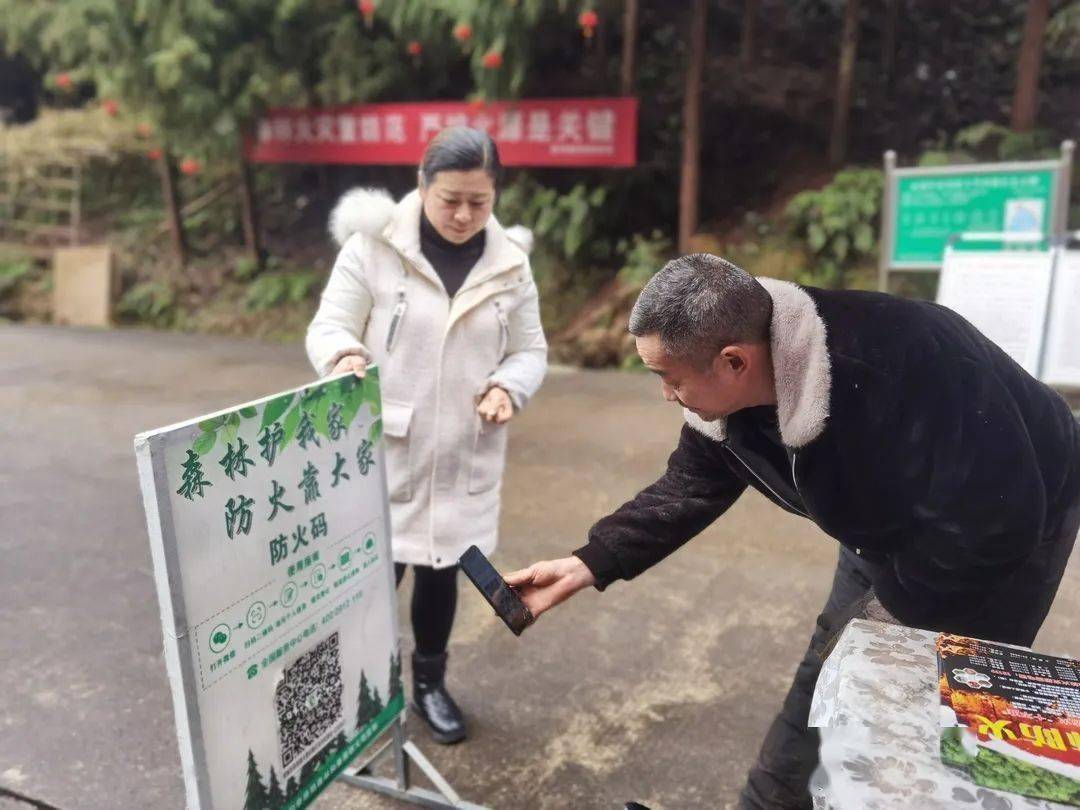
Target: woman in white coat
{"x":434,"y":291}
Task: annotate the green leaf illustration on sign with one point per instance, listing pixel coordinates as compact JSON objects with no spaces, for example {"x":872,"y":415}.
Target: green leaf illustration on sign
{"x":292,"y":420}
{"x":205,"y":442}
{"x":375,"y":431}
{"x":231,"y":426}
{"x":212,"y":424}
{"x":371,"y":393}
{"x":275,"y":408}
{"x":249,"y":411}
{"x":319,"y":416}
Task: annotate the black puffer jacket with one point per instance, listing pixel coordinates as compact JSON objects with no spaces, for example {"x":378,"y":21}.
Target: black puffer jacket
{"x":912,"y":439}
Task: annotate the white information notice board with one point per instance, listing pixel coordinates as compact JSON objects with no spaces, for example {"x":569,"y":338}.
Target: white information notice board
{"x":1062,"y":362}
{"x":269,"y":530}
{"x":1004,"y":295}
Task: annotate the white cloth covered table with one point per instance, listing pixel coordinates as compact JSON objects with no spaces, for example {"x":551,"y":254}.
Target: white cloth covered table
{"x":876,"y":705}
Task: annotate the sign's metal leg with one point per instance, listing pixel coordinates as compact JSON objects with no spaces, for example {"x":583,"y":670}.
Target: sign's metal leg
{"x":401,"y":762}
{"x":399,"y":787}
{"x":431,"y":773}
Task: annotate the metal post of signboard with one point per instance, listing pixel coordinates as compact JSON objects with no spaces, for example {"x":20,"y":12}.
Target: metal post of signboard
{"x":1057,"y":247}
{"x":1061,"y":218}
{"x":887,"y":230}
{"x":406,"y":753}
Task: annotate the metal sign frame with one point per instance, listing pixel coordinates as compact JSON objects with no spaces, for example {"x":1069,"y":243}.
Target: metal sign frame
{"x":1062,"y":173}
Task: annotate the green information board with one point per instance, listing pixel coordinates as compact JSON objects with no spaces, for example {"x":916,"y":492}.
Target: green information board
{"x":931,"y":208}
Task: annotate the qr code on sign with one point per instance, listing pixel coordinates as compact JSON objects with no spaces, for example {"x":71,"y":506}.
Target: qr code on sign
{"x":308,"y":700}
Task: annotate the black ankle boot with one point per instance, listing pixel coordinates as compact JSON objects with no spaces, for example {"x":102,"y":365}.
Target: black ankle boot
{"x":431,"y":700}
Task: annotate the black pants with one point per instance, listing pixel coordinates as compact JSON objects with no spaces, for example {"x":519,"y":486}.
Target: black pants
{"x":789,"y":754}
{"x":434,"y":601}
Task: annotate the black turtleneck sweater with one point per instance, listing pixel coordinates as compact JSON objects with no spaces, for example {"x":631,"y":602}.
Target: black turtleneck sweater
{"x":452,"y":262}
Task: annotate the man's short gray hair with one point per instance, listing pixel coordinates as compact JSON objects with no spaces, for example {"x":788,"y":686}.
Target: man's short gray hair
{"x":700,"y":303}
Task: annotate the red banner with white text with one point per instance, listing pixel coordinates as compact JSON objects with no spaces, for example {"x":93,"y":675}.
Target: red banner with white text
{"x":540,"y":132}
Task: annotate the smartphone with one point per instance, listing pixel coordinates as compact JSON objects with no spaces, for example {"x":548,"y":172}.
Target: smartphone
{"x":504,"y":599}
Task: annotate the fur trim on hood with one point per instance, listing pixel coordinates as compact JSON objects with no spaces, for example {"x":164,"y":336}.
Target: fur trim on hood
{"x":361,"y":210}
{"x":369,"y":211}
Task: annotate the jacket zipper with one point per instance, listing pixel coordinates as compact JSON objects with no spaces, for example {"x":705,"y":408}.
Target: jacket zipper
{"x":761,"y":480}
{"x":795,"y":481}
{"x":504,"y":329}
{"x":395,"y":321}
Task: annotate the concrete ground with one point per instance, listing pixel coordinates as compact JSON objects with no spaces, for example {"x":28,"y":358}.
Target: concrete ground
{"x":658,"y":690}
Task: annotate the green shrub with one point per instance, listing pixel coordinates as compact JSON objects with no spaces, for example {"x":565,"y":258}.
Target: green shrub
{"x":14,"y":267}
{"x":152,"y":302}
{"x":275,"y":289}
{"x":642,"y":257}
{"x":988,"y":142}
{"x":838,"y":224}
{"x":245,"y":268}
{"x":564,"y":225}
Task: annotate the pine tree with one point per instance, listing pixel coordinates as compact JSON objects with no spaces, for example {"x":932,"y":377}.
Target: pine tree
{"x":365,"y":704}
{"x":395,"y":687}
{"x":275,"y":798}
{"x":309,"y":768}
{"x":376,"y":703}
{"x":291,"y":788}
{"x":255,"y":797}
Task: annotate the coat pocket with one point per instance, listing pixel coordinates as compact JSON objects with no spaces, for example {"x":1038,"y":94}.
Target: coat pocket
{"x":489,"y":457}
{"x":397,"y":419}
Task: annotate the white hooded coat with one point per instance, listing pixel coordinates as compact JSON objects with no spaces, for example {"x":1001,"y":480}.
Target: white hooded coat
{"x":437,"y":356}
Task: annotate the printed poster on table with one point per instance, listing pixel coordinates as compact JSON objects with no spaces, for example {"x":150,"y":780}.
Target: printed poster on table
{"x":269,"y":532}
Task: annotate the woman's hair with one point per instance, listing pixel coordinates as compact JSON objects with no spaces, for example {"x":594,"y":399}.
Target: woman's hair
{"x":461,"y":149}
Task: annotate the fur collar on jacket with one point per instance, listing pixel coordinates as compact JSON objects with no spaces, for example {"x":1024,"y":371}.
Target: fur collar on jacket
{"x":800,"y":368}
{"x":373,"y":212}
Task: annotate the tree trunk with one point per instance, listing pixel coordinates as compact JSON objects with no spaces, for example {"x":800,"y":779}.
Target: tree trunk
{"x":247,"y":210}
{"x":691,"y":153}
{"x":167,"y":170}
{"x":629,"y":46}
{"x":849,"y":43}
{"x":888,"y":42}
{"x":749,"y":31}
{"x":1026,"y":98}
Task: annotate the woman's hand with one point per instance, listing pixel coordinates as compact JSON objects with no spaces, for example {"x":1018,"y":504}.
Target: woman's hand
{"x":351,"y":362}
{"x":543,"y":585}
{"x":496,"y":406}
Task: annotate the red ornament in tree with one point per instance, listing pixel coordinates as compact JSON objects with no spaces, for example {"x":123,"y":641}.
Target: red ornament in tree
{"x":63,"y":81}
{"x":588,"y":22}
{"x":110,"y":107}
{"x":190,"y":166}
{"x":462,"y":32}
{"x":415,"y":48}
{"x":144,"y":129}
{"x":493,"y":60}
{"x":154,"y":154}
{"x":367,"y":9}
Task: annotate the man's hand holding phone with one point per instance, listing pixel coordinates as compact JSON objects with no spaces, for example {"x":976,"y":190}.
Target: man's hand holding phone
{"x":545,"y":584}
